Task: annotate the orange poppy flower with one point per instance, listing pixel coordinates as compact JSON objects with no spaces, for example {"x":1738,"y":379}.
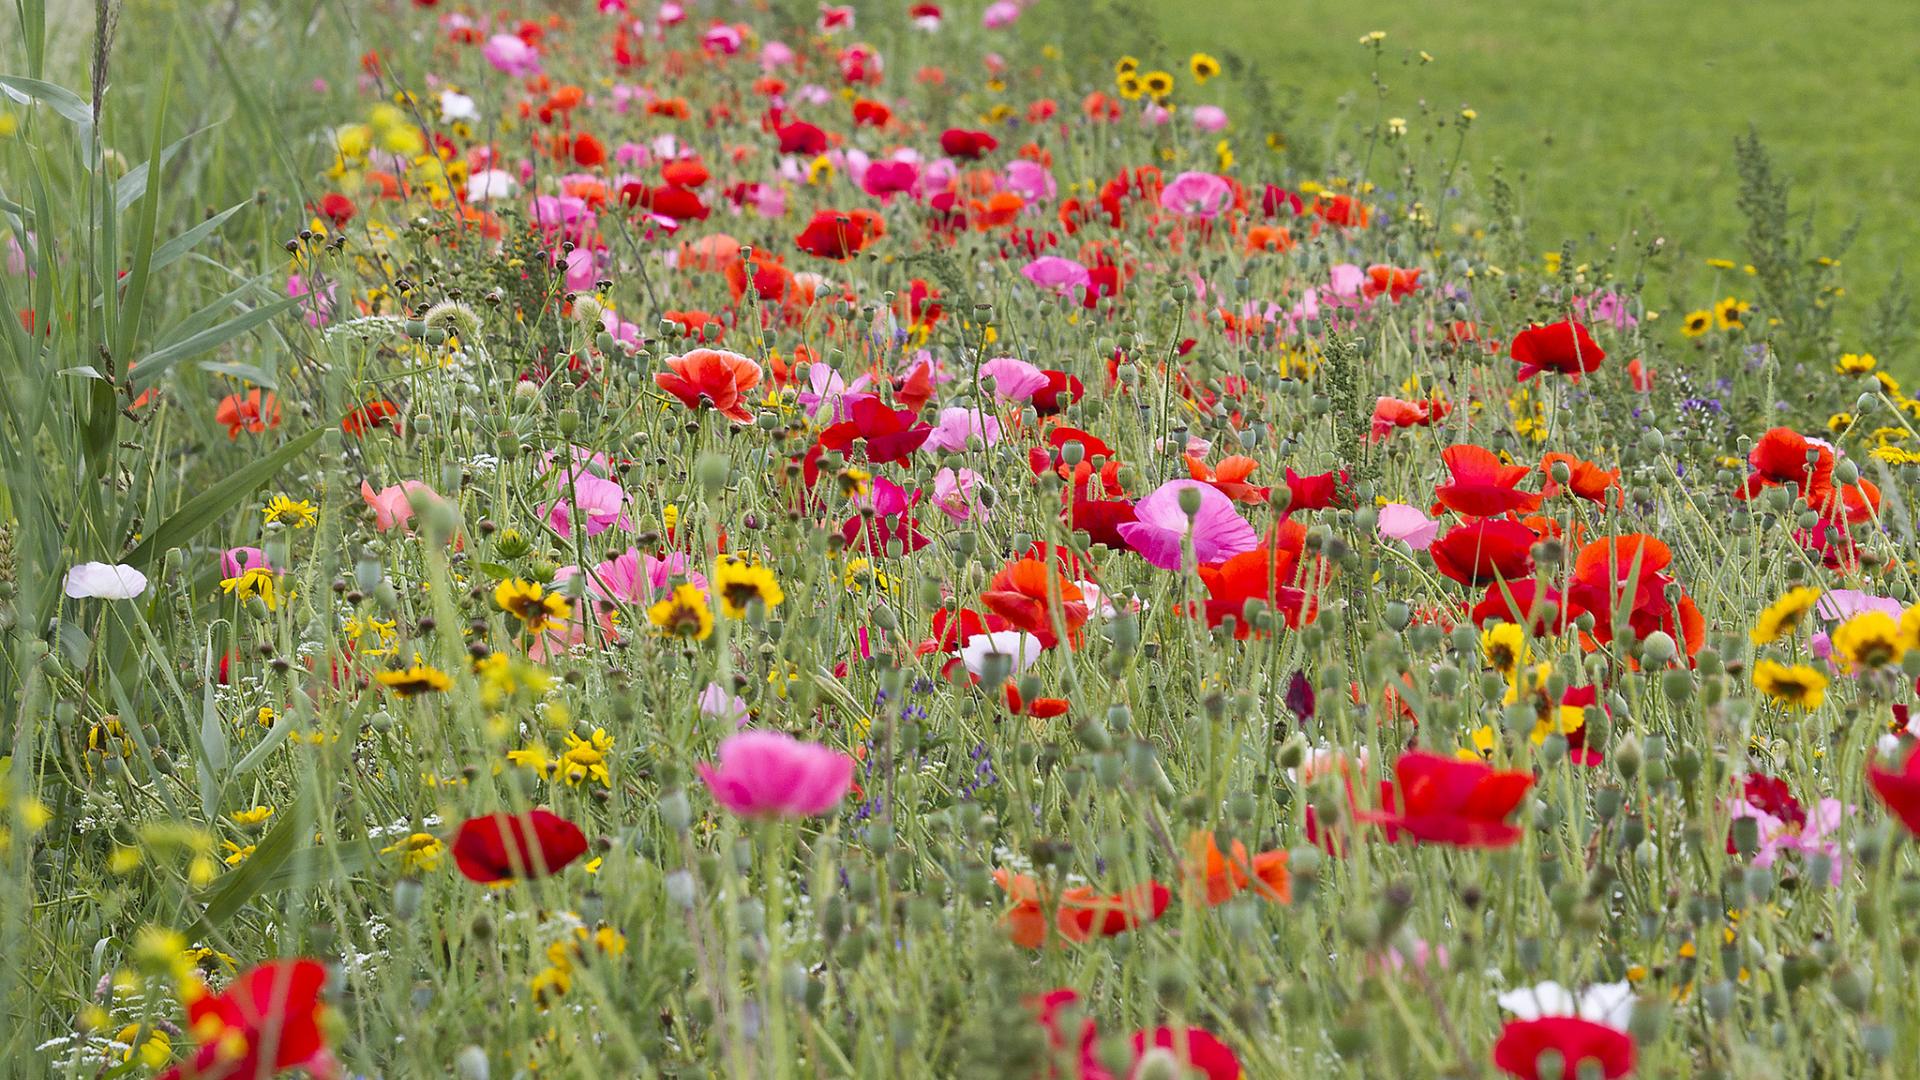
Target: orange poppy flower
{"x":711,"y":378}
{"x":253,"y":412}
{"x":1082,"y":912}
{"x":1219,"y":878}
{"x":1024,"y":592}
{"x":1587,"y":480}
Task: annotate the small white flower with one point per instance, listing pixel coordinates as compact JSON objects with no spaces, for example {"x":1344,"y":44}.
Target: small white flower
{"x":105,"y":581}
{"x":490,"y":184}
{"x":455,"y":107}
{"x":1023,"y":647}
{"x":1605,"y":1003}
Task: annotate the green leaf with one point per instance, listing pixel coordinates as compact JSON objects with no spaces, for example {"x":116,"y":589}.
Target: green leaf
{"x":231,"y":890}
{"x":134,"y":183}
{"x":155,"y":363}
{"x":58,"y":98}
{"x":173,"y":250}
{"x":207,"y":507}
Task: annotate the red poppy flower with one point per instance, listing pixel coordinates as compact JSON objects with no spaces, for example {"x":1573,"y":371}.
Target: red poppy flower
{"x":588,"y":152}
{"x":870,"y":113}
{"x":889,"y":435}
{"x":1484,"y":552}
{"x":685,"y":172}
{"x":1443,"y":800}
{"x":374,"y":414}
{"x":336,"y":208}
{"x":1343,"y":210}
{"x":801,"y":138}
{"x":503,"y":847}
{"x":1320,"y":492}
{"x":1392,"y":281}
{"x":1229,"y":477}
{"x":1100,"y":519}
{"x":1565,"y":347}
{"x":1481,"y":486}
{"x":1624,"y":576}
{"x":1575,"y":1041}
{"x":1899,"y":791}
{"x":1585,"y":479}
{"x":252,"y":412}
{"x":1784,"y":456}
{"x":1081,"y":913}
{"x":967,"y":145}
{"x":1525,"y":602}
{"x":1061,"y":390}
{"x":1271,"y":573}
{"x":1025,"y":593}
{"x":276,"y":1007}
{"x":1582,"y":698}
{"x":668,"y":201}
{"x":711,"y":378}
{"x":1040,"y":708}
{"x":1199,"y":1050}
{"x":1390,"y":413}
{"x":835,"y":234}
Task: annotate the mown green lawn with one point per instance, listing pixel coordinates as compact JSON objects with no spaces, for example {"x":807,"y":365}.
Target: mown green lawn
{"x":1610,"y":106}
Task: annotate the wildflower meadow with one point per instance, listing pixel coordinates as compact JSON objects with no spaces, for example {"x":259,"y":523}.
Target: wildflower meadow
{"x":770,"y":539}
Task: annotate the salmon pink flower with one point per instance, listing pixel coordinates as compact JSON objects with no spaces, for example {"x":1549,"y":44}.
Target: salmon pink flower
{"x":768,"y":774}
{"x":711,"y":378}
{"x":393,"y":506}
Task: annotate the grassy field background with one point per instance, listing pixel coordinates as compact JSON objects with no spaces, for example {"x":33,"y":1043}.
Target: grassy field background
{"x":1605,"y":108}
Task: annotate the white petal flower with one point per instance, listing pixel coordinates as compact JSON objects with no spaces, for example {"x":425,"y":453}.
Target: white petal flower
{"x":455,"y":107}
{"x":1021,"y":646}
{"x":1604,"y":1003}
{"x":105,"y":581}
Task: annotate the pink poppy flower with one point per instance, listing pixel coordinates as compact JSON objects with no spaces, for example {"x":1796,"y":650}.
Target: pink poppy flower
{"x":1013,"y":380}
{"x":1219,"y":532}
{"x":1211,"y":119}
{"x":1062,"y":275}
{"x":511,"y":56}
{"x":955,"y":493}
{"x":1408,"y":524}
{"x":1197,"y":194}
{"x":601,"y":501}
{"x":239,"y":560}
{"x":885,"y":179}
{"x":1031,"y":180}
{"x":1000,"y":15}
{"x":957,"y":424}
{"x":767,"y":774}
{"x":393,"y":506}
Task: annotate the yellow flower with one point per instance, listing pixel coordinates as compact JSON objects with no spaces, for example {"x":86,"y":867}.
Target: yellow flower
{"x":1799,"y":686}
{"x":1505,"y":647}
{"x":1871,"y":639}
{"x":684,"y":614}
{"x":1731,"y":314}
{"x":418,"y":851}
{"x":418,"y":679}
{"x":1129,"y":86}
{"x":1783,"y":615}
{"x":251,"y":583}
{"x":1839,"y":422}
{"x":1157,"y":84}
{"x":1204,"y":67}
{"x":586,"y":759}
{"x":298,"y":514}
{"x":154,"y":1051}
{"x":1697,"y":323}
{"x":1855,"y":363}
{"x":1126,"y":65}
{"x":251,"y":817}
{"x":237,"y":854}
{"x":1910,"y":627}
{"x":739,"y":583}
{"x":1480,"y":744}
{"x":531,"y":604}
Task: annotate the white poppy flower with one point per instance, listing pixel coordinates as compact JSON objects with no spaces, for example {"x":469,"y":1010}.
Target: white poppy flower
{"x":1021,"y":646}
{"x":105,"y":581}
{"x":1605,"y":1003}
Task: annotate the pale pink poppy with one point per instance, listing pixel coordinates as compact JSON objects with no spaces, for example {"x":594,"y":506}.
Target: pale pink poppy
{"x":1408,"y":524}
{"x":1013,"y":379}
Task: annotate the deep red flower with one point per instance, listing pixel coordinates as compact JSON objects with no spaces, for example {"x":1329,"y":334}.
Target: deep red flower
{"x":889,"y":435}
{"x":1481,"y":485}
{"x":1323,"y":491}
{"x":1061,"y":390}
{"x":801,"y":138}
{"x":588,"y":151}
{"x":1899,"y":791}
{"x":967,"y":145}
{"x":503,"y":847}
{"x":1576,"y":1041}
{"x":1271,"y":572}
{"x":1525,"y":602}
{"x":836,"y":234}
{"x":1565,"y":347}
{"x":1443,"y":800}
{"x":336,"y":208}
{"x":1784,"y":456}
{"x":274,"y":1007}
{"x":1200,"y":1051}
{"x":1484,"y":552}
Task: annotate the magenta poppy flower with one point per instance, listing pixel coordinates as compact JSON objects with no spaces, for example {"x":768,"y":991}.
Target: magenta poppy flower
{"x":239,"y":560}
{"x":767,"y":774}
{"x":885,"y":179}
{"x":1159,"y":526}
{"x":1031,"y":180}
{"x":1061,"y":275}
